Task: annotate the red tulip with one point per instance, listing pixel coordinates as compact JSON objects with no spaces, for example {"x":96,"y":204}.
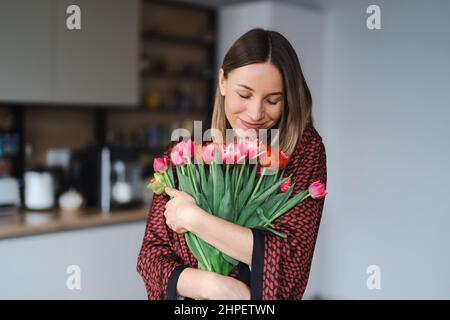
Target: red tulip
{"x":268,"y":159}
{"x":286,"y":185}
{"x":199,"y":154}
{"x":160,"y":164}
{"x":317,"y":190}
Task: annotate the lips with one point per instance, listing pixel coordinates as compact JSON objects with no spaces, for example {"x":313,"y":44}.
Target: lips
{"x":250,"y":125}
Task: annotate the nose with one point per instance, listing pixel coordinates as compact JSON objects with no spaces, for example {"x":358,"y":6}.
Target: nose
{"x":254,"y":111}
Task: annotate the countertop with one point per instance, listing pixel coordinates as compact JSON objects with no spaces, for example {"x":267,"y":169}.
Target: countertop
{"x":26,"y":223}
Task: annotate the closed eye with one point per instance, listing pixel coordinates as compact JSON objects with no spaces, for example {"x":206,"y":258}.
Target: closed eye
{"x":273,"y":102}
{"x":243,"y":97}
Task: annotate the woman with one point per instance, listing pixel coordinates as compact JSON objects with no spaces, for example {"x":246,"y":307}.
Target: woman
{"x":260,"y":86}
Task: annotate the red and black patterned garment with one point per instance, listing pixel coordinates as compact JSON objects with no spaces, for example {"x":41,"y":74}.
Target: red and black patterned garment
{"x":280,"y":266}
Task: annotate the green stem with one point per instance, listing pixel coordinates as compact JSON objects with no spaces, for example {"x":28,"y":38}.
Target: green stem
{"x":202,"y":254}
{"x":166,"y":177}
{"x":227,"y":170}
{"x":192,"y":176}
{"x":239,"y":179}
{"x":258,"y":184}
{"x":282,"y":210}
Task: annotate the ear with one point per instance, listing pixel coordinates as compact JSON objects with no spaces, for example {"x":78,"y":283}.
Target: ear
{"x":222,"y":82}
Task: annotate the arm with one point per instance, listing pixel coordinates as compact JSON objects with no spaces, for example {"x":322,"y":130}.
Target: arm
{"x":181,"y":210}
{"x":182,"y":214}
{"x":232,"y":239}
{"x":210,"y":286}
{"x":156,"y":261}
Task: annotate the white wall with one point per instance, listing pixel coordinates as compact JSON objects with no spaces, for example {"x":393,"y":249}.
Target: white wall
{"x":35,"y":267}
{"x":386,"y":127}
{"x":382,"y":106}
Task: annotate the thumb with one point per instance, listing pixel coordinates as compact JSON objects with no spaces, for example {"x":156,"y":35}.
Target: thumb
{"x":171,"y":192}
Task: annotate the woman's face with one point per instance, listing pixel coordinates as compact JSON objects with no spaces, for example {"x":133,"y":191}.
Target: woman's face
{"x":253,"y":96}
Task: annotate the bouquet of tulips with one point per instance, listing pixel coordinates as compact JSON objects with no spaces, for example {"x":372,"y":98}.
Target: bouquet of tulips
{"x":241,"y":182}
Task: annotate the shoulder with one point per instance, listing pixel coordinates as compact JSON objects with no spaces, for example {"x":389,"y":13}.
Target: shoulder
{"x":309,"y":148}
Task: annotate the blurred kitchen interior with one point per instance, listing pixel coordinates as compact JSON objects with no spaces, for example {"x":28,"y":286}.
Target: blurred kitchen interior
{"x":76,"y":105}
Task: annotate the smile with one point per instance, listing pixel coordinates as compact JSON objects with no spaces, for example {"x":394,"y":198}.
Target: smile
{"x":250,"y":125}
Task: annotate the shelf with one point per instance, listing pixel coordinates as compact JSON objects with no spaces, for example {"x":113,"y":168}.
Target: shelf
{"x":191,"y":41}
{"x":180,"y":5}
{"x":175,"y":113}
{"x":176,"y":76}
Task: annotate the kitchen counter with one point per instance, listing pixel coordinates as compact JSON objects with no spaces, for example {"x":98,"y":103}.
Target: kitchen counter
{"x":26,"y":223}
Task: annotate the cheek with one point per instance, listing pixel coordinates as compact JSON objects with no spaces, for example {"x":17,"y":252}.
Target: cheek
{"x":233,"y":106}
{"x":274,"y":113}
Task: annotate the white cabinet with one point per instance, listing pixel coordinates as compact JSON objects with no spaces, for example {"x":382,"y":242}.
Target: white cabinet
{"x":26,"y":50}
{"x":99,"y":63}
{"x":41,"y":60}
{"x":37,"y":267}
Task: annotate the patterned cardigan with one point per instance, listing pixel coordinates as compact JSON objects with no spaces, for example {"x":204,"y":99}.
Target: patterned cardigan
{"x":280,"y":266}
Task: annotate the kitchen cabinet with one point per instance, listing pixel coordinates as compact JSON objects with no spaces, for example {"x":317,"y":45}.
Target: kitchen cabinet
{"x":99,"y":63}
{"x":105,"y":258}
{"x":26,"y":51}
{"x":41,"y":60}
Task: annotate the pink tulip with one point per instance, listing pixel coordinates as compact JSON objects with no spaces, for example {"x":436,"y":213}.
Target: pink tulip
{"x":285,"y":186}
{"x":177,"y":158}
{"x":208,"y":153}
{"x":228,"y":153}
{"x":248,"y":148}
{"x":186,"y":148}
{"x":317,"y":190}
{"x":160,"y":164}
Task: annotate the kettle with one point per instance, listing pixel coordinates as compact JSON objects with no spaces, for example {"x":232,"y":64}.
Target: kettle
{"x":39,"y":190}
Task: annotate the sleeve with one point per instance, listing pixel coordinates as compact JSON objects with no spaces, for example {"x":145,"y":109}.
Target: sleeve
{"x":158,"y":265}
{"x":280,"y":266}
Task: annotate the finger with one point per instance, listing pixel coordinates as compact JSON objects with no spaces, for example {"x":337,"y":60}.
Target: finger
{"x":171,"y":192}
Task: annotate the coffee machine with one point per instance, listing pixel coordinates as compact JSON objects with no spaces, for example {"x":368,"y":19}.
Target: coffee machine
{"x":107,"y":177}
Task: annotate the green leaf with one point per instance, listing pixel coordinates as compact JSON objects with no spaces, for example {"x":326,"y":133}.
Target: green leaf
{"x":290,"y":204}
{"x":268,"y":192}
{"x":278,"y":233}
{"x":186,"y":185}
{"x":210,"y":197}
{"x":274,"y":203}
{"x":260,"y":214}
{"x":203,"y":181}
{"x":203,"y":203}
{"x":247,"y":212}
{"x":225,"y":210}
{"x":227,"y":178}
{"x":230,"y":260}
{"x":198,"y":251}
{"x":170,"y":174}
{"x":219,"y":187}
{"x":247,"y":190}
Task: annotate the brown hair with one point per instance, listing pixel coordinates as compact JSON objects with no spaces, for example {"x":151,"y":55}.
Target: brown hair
{"x":259,"y":46}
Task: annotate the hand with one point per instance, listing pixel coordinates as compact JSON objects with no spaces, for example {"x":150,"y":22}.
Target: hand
{"x":180,"y":211}
{"x":226,"y":288}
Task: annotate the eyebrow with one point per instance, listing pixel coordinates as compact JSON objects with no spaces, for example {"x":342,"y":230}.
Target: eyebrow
{"x":270,"y":94}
